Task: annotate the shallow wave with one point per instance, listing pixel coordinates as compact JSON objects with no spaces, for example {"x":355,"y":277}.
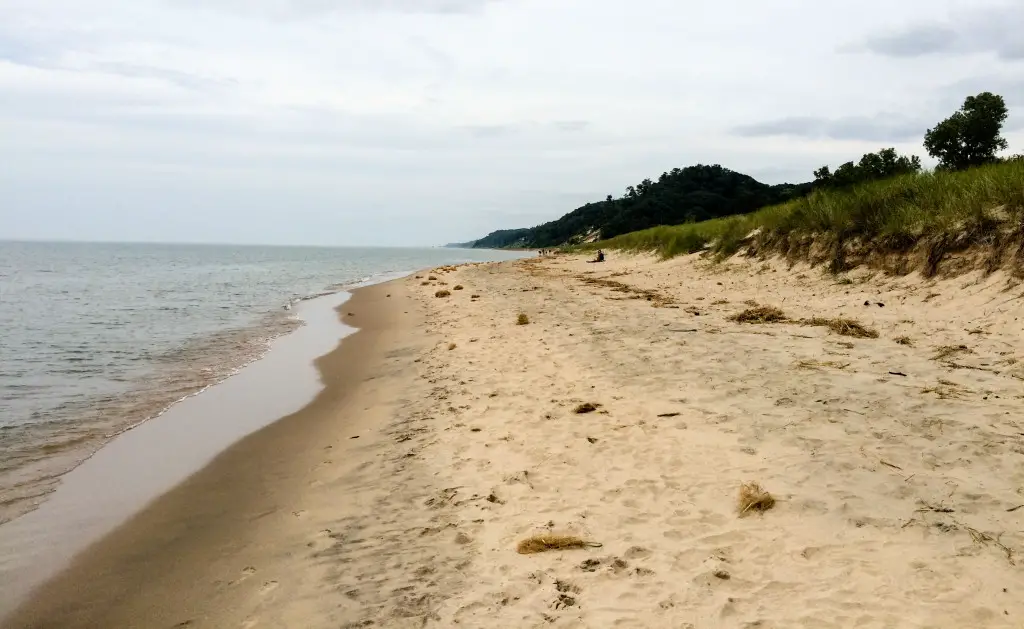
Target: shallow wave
{"x":34,"y":456}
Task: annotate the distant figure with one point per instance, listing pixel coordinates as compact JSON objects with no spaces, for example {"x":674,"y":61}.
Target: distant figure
{"x":600,"y":257}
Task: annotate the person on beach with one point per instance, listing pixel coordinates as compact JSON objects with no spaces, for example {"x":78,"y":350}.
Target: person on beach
{"x":600,"y":257}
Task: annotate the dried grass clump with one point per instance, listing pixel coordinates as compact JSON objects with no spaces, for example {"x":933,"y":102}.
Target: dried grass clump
{"x":432,"y":278}
{"x":760,"y":314}
{"x":904,"y":340}
{"x":452,"y":346}
{"x":442,"y":293}
{"x":754,"y":498}
{"x":522,"y":319}
{"x":546,"y":542}
{"x":845,"y":327}
{"x":947,"y":351}
{"x":424,"y":283}
{"x":586,"y":407}
{"x":458,"y":287}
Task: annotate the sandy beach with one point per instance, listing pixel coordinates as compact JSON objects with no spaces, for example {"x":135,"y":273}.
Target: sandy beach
{"x":626,"y":411}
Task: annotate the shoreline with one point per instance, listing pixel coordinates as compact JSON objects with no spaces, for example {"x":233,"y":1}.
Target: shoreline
{"x":330,"y":363}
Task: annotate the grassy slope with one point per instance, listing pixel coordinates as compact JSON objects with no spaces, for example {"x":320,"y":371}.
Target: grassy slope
{"x":931,"y":214}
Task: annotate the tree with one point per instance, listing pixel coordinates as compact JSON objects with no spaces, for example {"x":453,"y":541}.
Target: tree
{"x":871,"y":167}
{"x":970,"y":137}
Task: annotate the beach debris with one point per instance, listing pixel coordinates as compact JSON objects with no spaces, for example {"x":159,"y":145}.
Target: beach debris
{"x":754,"y":498}
{"x":760,"y":314}
{"x":586,"y":407}
{"x":548,"y":541}
{"x":1012,"y":509}
{"x":722,"y":574}
{"x":522,"y":319}
{"x":844,"y":327}
{"x":888,"y":464}
{"x":904,"y":340}
{"x":451,"y":346}
{"x":457,"y":287}
{"x":592,"y":439}
{"x":442,"y":293}
{"x":897,"y":373}
{"x":669,"y":414}
{"x":432,"y":278}
{"x":948,"y":351}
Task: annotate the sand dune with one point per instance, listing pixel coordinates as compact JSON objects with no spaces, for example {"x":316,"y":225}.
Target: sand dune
{"x":896,"y":462}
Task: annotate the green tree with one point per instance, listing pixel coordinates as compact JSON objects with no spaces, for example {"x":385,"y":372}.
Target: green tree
{"x":970,"y":137}
{"x":871,"y":167}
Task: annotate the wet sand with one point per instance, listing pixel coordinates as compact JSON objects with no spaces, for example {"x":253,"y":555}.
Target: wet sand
{"x":143,"y":463}
{"x":185,"y":557}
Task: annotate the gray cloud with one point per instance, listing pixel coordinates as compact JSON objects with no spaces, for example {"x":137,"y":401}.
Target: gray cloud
{"x":312,"y":8}
{"x":914,"y":41}
{"x":881,"y":127}
{"x":991,"y":29}
{"x":181,"y":79}
{"x":571,"y":126}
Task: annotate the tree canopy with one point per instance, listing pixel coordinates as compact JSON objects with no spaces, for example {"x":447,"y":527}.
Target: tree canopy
{"x":872,"y":166}
{"x":971,"y":136}
{"x":694,"y":193}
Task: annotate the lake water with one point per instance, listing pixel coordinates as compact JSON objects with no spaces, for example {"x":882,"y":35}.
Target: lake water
{"x":97,"y":338}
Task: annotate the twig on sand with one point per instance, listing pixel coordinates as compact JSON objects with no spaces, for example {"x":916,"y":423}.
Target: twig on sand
{"x":895,"y":467}
{"x":1012,"y":509}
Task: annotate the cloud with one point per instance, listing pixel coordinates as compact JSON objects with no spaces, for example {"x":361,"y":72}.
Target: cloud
{"x":882,"y":127}
{"x":914,"y":41}
{"x":331,"y":119}
{"x":980,"y":30}
{"x":313,"y":8}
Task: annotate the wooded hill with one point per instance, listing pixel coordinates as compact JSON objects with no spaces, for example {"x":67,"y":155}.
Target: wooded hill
{"x":692,"y":194}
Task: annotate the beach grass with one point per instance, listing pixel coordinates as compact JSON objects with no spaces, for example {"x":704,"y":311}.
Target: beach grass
{"x":943,"y":211}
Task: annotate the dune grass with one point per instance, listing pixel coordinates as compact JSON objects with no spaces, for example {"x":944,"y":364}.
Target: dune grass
{"x":946,"y":211}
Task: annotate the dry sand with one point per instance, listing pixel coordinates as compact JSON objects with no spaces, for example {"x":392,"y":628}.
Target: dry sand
{"x":897,"y":468}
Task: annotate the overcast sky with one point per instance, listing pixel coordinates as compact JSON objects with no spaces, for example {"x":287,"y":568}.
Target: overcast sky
{"x":399,"y":122}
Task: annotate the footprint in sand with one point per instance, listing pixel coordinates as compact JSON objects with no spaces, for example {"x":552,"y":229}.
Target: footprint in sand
{"x":247,"y":572}
{"x":269,"y":587}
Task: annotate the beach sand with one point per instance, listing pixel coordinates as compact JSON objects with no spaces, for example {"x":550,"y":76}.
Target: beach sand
{"x":896,"y":463}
